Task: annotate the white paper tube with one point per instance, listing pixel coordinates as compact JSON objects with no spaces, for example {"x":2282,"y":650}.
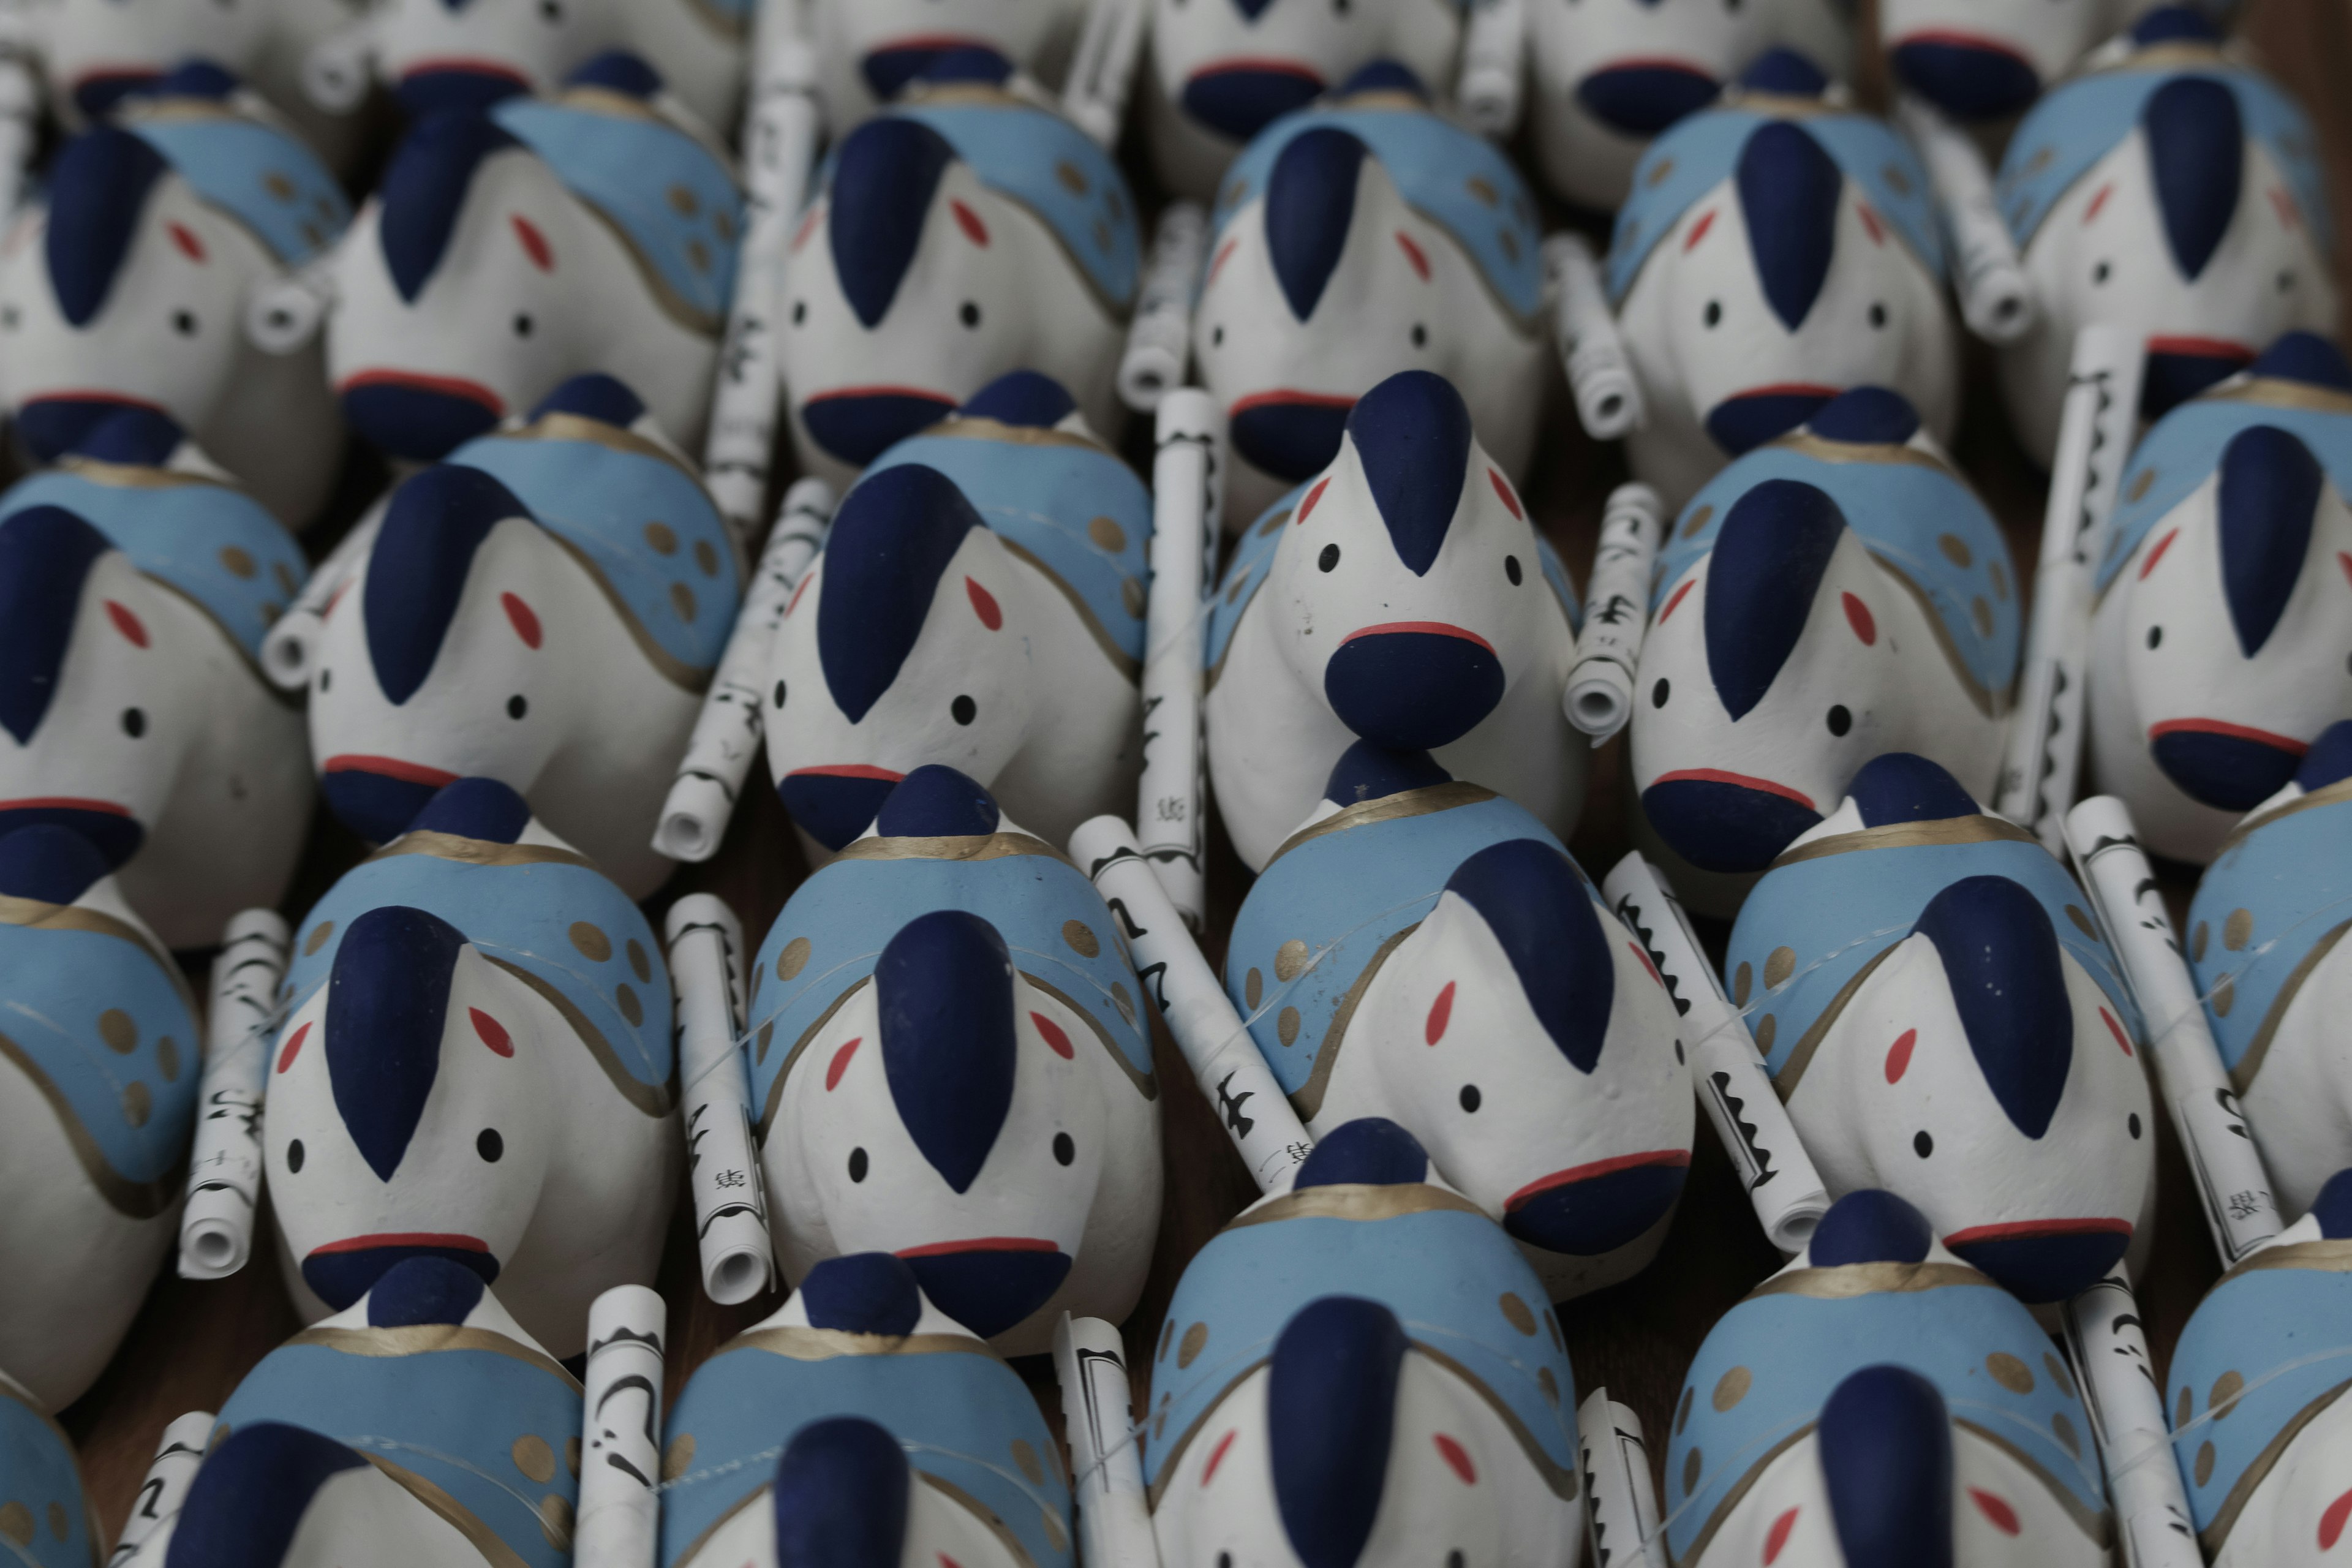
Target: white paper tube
{"x":1187,"y":469}
{"x":620,"y":1431}
{"x":336,"y":71}
{"x":1159,"y":338}
{"x":1621,"y":1510}
{"x":2222,"y":1157}
{"x":731,"y":1209}
{"x":2042,"y":766}
{"x":1599,"y":697}
{"x":290,"y":649}
{"x":1494,"y":64}
{"x":1102,"y":68}
{"x":1726,"y":1070}
{"x":1234,"y":1079}
{"x":225,"y":1163}
{"x":166,"y":1485}
{"x":20,"y":110}
{"x":1098,"y":1418}
{"x":2119,"y":1381}
{"x":1996,"y":297}
{"x":727,"y":731}
{"x":284,"y":316}
{"x":1600,"y":374}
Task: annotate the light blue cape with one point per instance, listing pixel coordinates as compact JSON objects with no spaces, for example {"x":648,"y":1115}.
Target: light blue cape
{"x":2292,"y":875}
{"x":267,"y":180}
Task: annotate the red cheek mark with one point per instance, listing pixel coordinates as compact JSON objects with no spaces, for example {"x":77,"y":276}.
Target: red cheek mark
{"x":2331,"y":1523}
{"x":1413,"y":254}
{"x":794,"y":602}
{"x":1778,"y":1536}
{"x":2116,"y":1030}
{"x":840,"y":1063}
{"x":1217,"y":1457}
{"x":336,"y":599}
{"x":1440,"y":1012}
{"x":1673,"y":600}
{"x":983,"y":605}
{"x":2091,"y":213}
{"x":1858,"y":617}
{"x":293,"y":1047}
{"x":808,"y":227}
{"x":526,"y":622}
{"x":129,"y":624}
{"x":2290,"y":216}
{"x":1312,"y":497}
{"x":185,"y":238}
{"x":947,"y":1561}
{"x":1898,"y":1055}
{"x":1698,"y":230}
{"x":493,"y":1033}
{"x":534,"y":244}
{"x":2157,"y":554}
{"x":1458,"y":1458}
{"x":1052,"y":1031}
{"x":969,"y":221}
{"x":1502,"y":489}
{"x":1870,"y":223}
{"x":2344,"y":561}
{"x":1636,"y":949}
{"x":1225,"y":254}
{"x":2004,"y":1517}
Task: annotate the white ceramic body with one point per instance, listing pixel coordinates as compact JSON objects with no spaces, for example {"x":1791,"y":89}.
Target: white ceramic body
{"x":2300,"y":1105}
{"x":696,"y":49}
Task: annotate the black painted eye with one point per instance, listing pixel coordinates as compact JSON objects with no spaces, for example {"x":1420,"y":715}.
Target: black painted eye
{"x":1511,"y":569}
{"x":1470,"y":1097}
{"x":489,"y":1145}
{"x":1064,"y":1149}
{"x":1924,"y":1144}
{"x":326,"y":678}
{"x":2102,"y":272}
{"x":970,"y":314}
{"x":1658,"y":693}
{"x":963,"y":709}
{"x":294,"y":1155}
{"x":517,"y":706}
{"x":780,"y":694}
{"x":1454,"y":1559}
{"x":1714,"y":313}
{"x":550,"y":10}
{"x":1878,"y":315}
{"x":2285,"y":282}
{"x":857,"y":1164}
{"x":522,"y":325}
{"x":1420,"y":336}
{"x":184,"y":323}
{"x":1217,"y":337}
{"x":2131,"y":1124}
{"x":800,"y":311}
{"x":1329,"y":558}
{"x":1840,"y":719}
{"x":9,"y":316}
{"x":134,"y":722}
{"x":2154,"y":637}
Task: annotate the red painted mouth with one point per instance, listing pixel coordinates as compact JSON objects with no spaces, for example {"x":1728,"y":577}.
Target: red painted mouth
{"x":1282,"y":397}
{"x":2233,"y":732}
{"x":467,"y":65}
{"x":388,"y":767}
{"x":1586,"y":1173}
{"x":2202,"y":348}
{"x":1960,"y":38}
{"x":1745,"y":780}
{"x":1255,"y":66}
{"x":65,"y":803}
{"x":848,"y":771}
{"x":980,"y":1244}
{"x":446,"y":385}
{"x":403,"y":1238}
{"x":2037,"y":1230}
{"x":1427,"y":629}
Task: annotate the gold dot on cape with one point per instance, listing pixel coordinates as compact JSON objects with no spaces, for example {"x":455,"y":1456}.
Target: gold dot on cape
{"x":1132,"y":596}
{"x":630,"y":1008}
{"x":1515,"y":1311}
{"x":1107,"y":534}
{"x":1122,"y":1001}
{"x":662,"y":538}
{"x":2204,"y":1463}
{"x":17,"y":1522}
{"x":1732,"y":1388}
{"x":239,"y":563}
{"x":167,"y":1058}
{"x":1549,"y":1384}
{"x":1743,"y":981}
{"x":533,"y":1458}
{"x":2196,"y":941}
{"x":2065,"y":1431}
{"x":1661,"y":171}
{"x":1026,"y":1458}
{"x":279,"y":185}
{"x":682,"y":202}
{"x":592,"y":943}
{"x":1690,"y":1472}
{"x":1955,"y":549}
{"x":317,"y":937}
{"x":1274,"y":522}
{"x":1073,"y":178}
{"x":793,"y":959}
{"x":677,"y":1456}
{"x":1778,"y":964}
{"x":2009,"y":1373}
{"x":1289,"y":960}
{"x":1286,"y":1025}
{"x":1055,"y":1537}
{"x":1167,"y":1338}
{"x":1083,"y":941}
{"x":2222,"y":1402}
{"x":1697,"y":520}
{"x":1767,"y":1027}
{"x":1189,"y":1348}
{"x":1981,"y":614}
{"x":1682,"y":1415}
{"x":681,"y":599}
{"x":2186,"y":1409}
{"x":285,"y":576}
{"x":1896,"y":180}
{"x":2059,"y":1376}
{"x":706,"y":556}
{"x":1482,"y":190}
{"x":121,"y":1035}
{"x":555,"y":1521}
{"x":639,"y":964}
{"x":572,"y":1455}
{"x":136,"y":1103}
{"x":1552,"y":1327}
{"x":2082,"y":920}
{"x":1254,"y":989}
{"x":2238,"y":929}
{"x":2225,"y":995}
{"x":766,"y":1036}
{"x":2000,"y":580}
{"x":2140,"y":483}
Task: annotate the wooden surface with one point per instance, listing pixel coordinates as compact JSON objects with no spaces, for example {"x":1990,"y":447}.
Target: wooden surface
{"x":192,"y":1342}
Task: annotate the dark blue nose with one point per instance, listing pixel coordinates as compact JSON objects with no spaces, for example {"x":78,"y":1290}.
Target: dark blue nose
{"x":342,"y":1272}
{"x":1725,"y":823}
{"x":2179,"y":368}
{"x":1968,"y":79}
{"x":378,"y":797}
{"x":52,"y":427}
{"x":1643,"y":99}
{"x":420,"y":417}
{"x":835,"y":804}
{"x":988,"y":1286}
{"x":1291,"y":435}
{"x":1239,"y":100}
{"x":1746,"y":420}
{"x":1597,"y":1208}
{"x":2048,"y":1261}
{"x":857,"y":427}
{"x":470,"y":89}
{"x":2228,"y":766}
{"x":1414,"y":686}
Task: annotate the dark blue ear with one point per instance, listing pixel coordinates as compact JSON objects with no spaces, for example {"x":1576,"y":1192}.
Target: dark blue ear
{"x":1885,"y":1445}
{"x":618,"y":70}
{"x":1370,"y":1151}
{"x":1412,"y":436}
{"x":1330,"y":1415}
{"x":892,"y":543}
{"x":49,"y":862}
{"x":1871,"y":1226}
{"x":2334,"y":1207}
{"x":2001,"y":960}
{"x":1901,"y":787}
{"x":1866,"y":414}
{"x":2196,"y":147}
{"x":387,"y":998}
{"x":1384,"y":75}
{"x":2270,"y":489}
{"x":2306,"y":357}
{"x":862,"y":1293}
{"x":1310,"y":200}
{"x":937,"y":802}
{"x":250,"y":1495}
{"x":944,"y":991}
{"x":97,"y":188}
{"x":840,"y":1496}
{"x":882,"y":190}
{"x":605,"y":398}
{"x":478,"y":808}
{"x":425,"y":189}
{"x":1026,"y":397}
{"x":1532,"y":900}
{"x":1769,"y":557}
{"x":2171,"y":23}
{"x":1788,"y":191}
{"x":143,"y":438}
{"x":2329,"y":761}
{"x":1785,"y":72}
{"x":1366,"y":772}
{"x":45,"y":552}
{"x":419,"y":566}
{"x":423,"y":1290}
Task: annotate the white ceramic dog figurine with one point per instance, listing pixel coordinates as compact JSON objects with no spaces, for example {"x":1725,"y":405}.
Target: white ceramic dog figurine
{"x":138,"y":586}
{"x":1837,"y":593}
{"x":1938,"y":1011}
{"x":1404,"y":598}
{"x":957,"y":1072}
{"x":544,"y":609}
{"x":962,"y":233}
{"x":42,"y":1476}
{"x":1362,"y":1370}
{"x":869,"y":50}
{"x":2174,"y":194}
{"x":510,"y":249}
{"x":2216,"y":647}
{"x":1879,"y":1402}
{"x":130,"y":288}
{"x":1773,"y":252}
{"x":437,"y":56}
{"x":1359,"y":238}
{"x":1424,"y":951}
{"x":980,"y":603}
{"x":861,"y":1411}
{"x":474,"y":1065}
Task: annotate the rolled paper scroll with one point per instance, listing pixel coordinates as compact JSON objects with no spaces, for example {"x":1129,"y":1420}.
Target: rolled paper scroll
{"x":20,"y":107}
{"x":1187,"y":472}
{"x":727,"y":731}
{"x":620,"y":1431}
{"x":290,"y":649}
{"x":780,"y":141}
{"x":225,"y":1163}
{"x":731,"y":1209}
{"x":284,"y":316}
{"x":336,"y":71}
{"x":1098,"y":1417}
{"x":1216,"y":1045}
{"x":1621,"y":1510}
{"x":2042,"y":764}
{"x":1608,"y":394}
{"x":1726,"y":1070}
{"x":1494,"y":65}
{"x":1159,"y":338}
{"x":2119,"y":1389}
{"x":2231,"y":1184}
{"x":166,"y":1485}
{"x":1599,"y":697}
{"x":1102,"y":74}
{"x":1996,"y":297}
